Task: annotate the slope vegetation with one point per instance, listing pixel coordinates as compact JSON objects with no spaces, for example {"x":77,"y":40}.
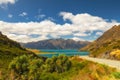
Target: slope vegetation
{"x":104,"y":45}
{"x":8,"y":50}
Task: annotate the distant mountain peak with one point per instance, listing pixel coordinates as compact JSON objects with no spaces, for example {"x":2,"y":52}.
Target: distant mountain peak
{"x":56,"y":44}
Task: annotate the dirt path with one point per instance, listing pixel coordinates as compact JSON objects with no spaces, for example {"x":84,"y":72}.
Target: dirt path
{"x":111,"y":63}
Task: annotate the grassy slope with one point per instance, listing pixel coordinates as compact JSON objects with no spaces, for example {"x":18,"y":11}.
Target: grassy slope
{"x":97,"y":50}
{"x":8,"y":50}
{"x":87,"y":70}
{"x":108,"y":42}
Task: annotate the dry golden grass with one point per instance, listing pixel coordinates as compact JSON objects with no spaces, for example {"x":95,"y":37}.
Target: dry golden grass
{"x":116,"y":53}
{"x":33,"y":50}
{"x":92,"y":71}
{"x":77,"y":58}
{"x":36,"y":51}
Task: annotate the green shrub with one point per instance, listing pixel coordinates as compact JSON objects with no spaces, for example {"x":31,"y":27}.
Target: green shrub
{"x":116,"y":75}
{"x":32,"y":68}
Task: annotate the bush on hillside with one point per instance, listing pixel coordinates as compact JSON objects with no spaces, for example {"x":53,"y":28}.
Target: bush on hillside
{"x":31,"y":68}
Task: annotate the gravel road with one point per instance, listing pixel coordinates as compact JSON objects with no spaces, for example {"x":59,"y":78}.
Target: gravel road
{"x":111,"y":63}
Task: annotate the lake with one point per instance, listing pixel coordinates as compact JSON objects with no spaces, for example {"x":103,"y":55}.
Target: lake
{"x":66,"y":52}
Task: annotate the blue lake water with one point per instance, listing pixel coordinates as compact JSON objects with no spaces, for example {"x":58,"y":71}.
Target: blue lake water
{"x":66,"y":52}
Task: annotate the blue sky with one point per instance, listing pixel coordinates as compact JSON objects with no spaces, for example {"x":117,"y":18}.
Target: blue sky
{"x":107,"y":9}
{"x":74,"y":19}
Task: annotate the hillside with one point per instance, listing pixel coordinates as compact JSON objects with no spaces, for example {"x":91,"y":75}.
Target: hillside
{"x":106,"y":44}
{"x":56,"y":44}
{"x":8,"y":50}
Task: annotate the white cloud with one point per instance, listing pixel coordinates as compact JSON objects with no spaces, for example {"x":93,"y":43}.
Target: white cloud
{"x":40,"y":16}
{"x":10,"y":15}
{"x":7,"y":1}
{"x":88,"y":22}
{"x":78,"y":28}
{"x":23,"y":14}
{"x":4,"y":3}
{"x":77,"y":39}
{"x":81,"y":34}
{"x":50,"y":18}
{"x":99,"y":33}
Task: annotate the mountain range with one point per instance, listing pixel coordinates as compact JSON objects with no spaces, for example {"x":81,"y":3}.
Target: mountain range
{"x":106,"y":44}
{"x":56,"y":44}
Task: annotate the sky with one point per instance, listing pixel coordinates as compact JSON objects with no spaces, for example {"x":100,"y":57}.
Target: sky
{"x":35,"y":20}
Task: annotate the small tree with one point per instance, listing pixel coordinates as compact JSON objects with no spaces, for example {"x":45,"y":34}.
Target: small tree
{"x":19,"y":66}
{"x":35,"y":69}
